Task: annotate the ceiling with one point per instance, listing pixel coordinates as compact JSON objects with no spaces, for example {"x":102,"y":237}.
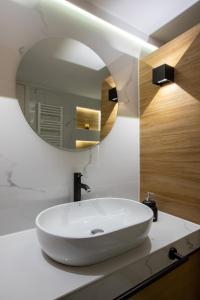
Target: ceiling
{"x":66,"y":65}
{"x":144,"y":17}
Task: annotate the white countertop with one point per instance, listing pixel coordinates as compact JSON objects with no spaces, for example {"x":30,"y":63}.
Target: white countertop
{"x":27,"y":273}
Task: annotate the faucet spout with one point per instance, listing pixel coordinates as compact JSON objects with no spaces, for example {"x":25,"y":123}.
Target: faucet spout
{"x":86,"y":187}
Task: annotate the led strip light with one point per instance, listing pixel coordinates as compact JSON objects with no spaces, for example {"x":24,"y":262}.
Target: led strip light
{"x":107,"y":25}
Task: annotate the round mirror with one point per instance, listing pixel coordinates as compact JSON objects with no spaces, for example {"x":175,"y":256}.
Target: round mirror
{"x":66,"y":93}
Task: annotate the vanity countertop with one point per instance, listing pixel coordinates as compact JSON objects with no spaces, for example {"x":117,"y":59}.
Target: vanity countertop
{"x":27,"y":273}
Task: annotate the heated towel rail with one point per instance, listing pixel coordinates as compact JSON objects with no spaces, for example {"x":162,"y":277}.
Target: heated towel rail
{"x":50,"y":123}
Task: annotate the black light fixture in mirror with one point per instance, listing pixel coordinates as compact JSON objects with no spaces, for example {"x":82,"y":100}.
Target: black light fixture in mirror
{"x":162,"y":74}
{"x":112,"y":95}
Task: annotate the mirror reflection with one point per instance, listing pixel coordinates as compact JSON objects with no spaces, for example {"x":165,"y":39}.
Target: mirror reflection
{"x":66,"y":93}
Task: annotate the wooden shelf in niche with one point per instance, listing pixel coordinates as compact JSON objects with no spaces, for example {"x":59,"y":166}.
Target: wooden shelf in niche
{"x":85,"y":144}
{"x":87,"y":118}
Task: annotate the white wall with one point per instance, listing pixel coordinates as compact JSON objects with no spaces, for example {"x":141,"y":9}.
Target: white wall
{"x":33,"y":174}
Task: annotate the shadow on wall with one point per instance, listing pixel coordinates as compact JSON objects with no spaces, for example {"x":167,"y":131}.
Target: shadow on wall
{"x":187,"y":71}
{"x":148,"y":90}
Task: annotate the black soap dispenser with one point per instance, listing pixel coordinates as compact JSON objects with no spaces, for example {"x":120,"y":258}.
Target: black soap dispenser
{"x":150,"y":202}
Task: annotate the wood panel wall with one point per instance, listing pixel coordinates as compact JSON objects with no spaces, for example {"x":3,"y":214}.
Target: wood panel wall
{"x":170,"y":128}
{"x":109,"y":109}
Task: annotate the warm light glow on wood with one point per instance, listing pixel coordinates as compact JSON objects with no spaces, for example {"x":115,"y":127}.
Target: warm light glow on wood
{"x":91,"y":117}
{"x":85,"y":144}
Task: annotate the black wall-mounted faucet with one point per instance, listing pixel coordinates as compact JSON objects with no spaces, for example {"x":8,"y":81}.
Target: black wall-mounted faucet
{"x":78,"y":186}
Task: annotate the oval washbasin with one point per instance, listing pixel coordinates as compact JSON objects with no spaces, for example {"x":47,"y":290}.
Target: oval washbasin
{"x":90,"y":231}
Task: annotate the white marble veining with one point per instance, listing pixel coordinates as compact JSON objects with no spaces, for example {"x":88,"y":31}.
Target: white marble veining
{"x":33,"y":174}
{"x":33,"y":275}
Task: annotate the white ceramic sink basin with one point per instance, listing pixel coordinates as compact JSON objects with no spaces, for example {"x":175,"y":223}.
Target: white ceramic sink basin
{"x":90,"y":231}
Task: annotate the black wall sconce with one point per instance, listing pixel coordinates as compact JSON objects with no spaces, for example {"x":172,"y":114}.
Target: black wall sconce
{"x":112,"y":95}
{"x":162,"y":74}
